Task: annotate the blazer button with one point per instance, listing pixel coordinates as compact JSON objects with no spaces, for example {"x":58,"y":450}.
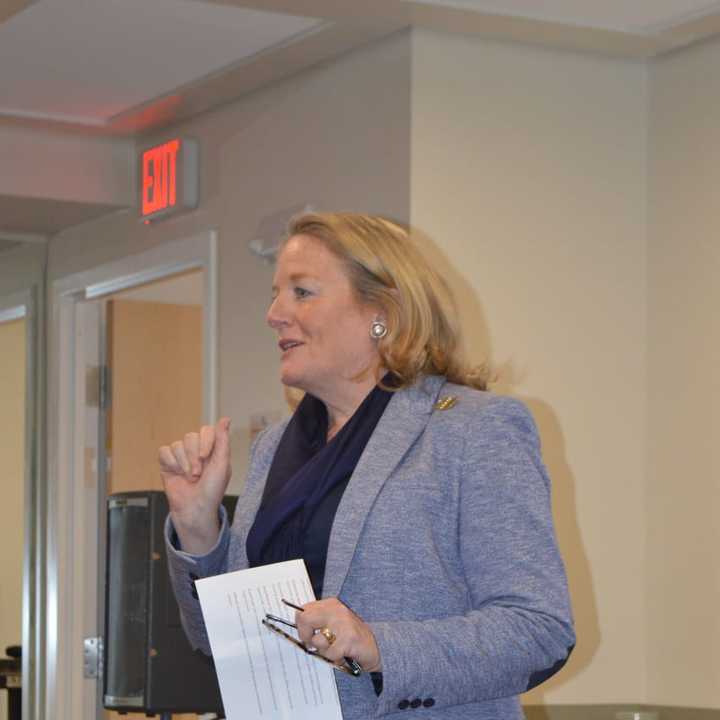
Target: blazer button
{"x":403,"y":705}
{"x":428,"y":702}
{"x":416,"y":703}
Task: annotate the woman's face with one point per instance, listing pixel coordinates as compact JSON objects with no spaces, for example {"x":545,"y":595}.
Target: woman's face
{"x":323,"y":331}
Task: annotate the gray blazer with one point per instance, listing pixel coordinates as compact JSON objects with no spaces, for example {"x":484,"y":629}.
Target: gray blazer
{"x":444,"y":543}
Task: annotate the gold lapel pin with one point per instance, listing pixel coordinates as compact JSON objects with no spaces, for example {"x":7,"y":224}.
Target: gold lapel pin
{"x":446,"y":403}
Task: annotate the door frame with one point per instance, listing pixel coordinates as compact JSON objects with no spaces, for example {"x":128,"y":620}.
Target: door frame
{"x":66,"y":694}
{"x":27,"y":304}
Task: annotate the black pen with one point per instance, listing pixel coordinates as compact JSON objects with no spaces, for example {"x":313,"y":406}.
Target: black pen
{"x":353,"y":665}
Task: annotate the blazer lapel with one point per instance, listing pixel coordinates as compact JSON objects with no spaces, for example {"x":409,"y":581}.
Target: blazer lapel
{"x":403,"y":421}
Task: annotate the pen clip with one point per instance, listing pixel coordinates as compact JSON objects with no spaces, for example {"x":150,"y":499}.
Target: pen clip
{"x":292,"y":605}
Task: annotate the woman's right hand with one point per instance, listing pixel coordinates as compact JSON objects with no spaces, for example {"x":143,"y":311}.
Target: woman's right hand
{"x":196,"y":472}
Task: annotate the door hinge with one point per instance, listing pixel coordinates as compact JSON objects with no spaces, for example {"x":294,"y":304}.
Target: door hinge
{"x":93,"y":657}
{"x":105,"y":387}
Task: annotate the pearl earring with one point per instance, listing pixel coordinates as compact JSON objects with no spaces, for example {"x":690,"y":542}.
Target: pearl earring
{"x":378,"y":330}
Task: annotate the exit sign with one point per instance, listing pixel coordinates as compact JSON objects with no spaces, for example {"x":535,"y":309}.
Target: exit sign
{"x":169,"y":178}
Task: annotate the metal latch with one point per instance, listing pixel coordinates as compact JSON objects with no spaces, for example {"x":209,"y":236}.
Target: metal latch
{"x":92,"y":657}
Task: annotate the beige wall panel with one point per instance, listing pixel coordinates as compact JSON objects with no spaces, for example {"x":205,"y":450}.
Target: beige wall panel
{"x":528,"y":174}
{"x":12,"y":457}
{"x":684,"y":391}
{"x":155,"y":353}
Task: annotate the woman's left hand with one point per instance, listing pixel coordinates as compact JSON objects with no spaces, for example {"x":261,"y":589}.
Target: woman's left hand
{"x":353,"y":637}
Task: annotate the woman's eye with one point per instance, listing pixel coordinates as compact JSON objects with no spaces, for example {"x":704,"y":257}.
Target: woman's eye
{"x":301,"y":292}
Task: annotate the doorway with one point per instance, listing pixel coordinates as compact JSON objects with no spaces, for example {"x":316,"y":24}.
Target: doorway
{"x":153,"y":360}
{"x":106,"y":425}
{"x":13,"y":394}
{"x":22,"y":615}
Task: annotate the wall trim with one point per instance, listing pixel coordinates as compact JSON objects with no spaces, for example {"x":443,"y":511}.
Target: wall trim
{"x":623,"y":711}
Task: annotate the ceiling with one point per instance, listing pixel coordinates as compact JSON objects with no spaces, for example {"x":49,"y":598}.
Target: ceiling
{"x":85,"y":62}
{"x":117,"y":68}
{"x":644,"y":16}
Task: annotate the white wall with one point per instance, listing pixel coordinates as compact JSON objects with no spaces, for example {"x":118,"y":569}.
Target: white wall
{"x":65,"y":166}
{"x":528,"y":175}
{"x":21,"y":268}
{"x":683,"y":490}
{"x":336,"y":136}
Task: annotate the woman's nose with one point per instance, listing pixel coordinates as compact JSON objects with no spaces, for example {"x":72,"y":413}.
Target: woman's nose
{"x":276,"y":317}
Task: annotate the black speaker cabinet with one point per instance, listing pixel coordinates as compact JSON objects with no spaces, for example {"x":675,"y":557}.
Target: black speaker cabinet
{"x":149,"y":665}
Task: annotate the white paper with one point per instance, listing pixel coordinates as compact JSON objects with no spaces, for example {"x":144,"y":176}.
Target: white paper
{"x":262,"y":675}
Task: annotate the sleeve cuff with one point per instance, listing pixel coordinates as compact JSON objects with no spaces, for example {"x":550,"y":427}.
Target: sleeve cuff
{"x":211,"y":561}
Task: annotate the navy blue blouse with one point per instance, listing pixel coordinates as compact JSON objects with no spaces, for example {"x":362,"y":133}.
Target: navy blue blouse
{"x":306,"y":482}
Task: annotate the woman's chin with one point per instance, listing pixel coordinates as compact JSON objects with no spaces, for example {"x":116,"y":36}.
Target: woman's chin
{"x":290,"y":379}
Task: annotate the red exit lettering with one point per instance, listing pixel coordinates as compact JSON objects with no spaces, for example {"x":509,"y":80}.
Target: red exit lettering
{"x":159,"y":177}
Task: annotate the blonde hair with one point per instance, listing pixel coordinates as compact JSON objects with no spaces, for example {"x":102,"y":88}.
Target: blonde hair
{"x":387,"y":270}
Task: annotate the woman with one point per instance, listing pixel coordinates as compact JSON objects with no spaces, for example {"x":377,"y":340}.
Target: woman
{"x":415,"y":497}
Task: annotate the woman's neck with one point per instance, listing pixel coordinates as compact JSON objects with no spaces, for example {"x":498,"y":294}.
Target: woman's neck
{"x":338,"y":414}
{"x":342,"y":406}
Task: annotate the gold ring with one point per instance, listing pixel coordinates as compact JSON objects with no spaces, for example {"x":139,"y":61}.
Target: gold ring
{"x":328,"y":634}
